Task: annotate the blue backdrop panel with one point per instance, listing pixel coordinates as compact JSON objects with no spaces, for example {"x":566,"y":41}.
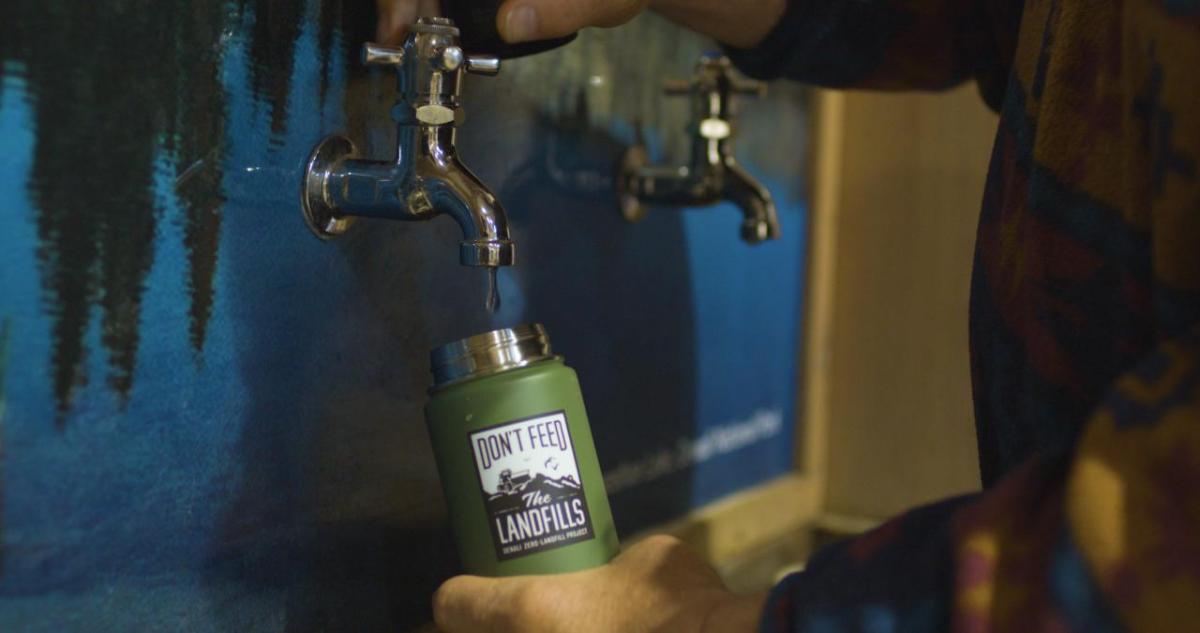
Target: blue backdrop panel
{"x":211,"y":421}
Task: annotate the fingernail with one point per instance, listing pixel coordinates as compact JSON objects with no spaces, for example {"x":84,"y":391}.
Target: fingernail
{"x":520,"y":25}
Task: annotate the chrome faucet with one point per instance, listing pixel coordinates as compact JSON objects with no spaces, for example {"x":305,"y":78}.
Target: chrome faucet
{"x":713,"y":174}
{"x":426,"y":179}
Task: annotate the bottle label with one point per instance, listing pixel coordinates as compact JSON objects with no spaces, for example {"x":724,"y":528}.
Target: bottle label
{"x":531,"y":485}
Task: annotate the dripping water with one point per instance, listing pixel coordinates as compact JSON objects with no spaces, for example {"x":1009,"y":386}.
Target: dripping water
{"x":493,"y":293}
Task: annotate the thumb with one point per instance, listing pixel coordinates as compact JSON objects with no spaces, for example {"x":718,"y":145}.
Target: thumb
{"x":470,"y":604}
{"x":526,"y":20}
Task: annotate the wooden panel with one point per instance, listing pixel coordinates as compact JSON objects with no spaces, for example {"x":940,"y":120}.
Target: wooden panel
{"x":894,"y":223}
{"x":752,"y":535}
{"x":885,"y":421}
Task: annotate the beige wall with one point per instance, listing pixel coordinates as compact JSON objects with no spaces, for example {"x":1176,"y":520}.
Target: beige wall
{"x":886,"y":421}
{"x":899,"y":181}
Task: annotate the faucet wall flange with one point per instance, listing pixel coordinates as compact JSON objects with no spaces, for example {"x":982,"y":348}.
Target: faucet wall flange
{"x":320,"y":215}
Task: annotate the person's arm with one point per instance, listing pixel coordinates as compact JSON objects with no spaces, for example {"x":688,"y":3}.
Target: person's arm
{"x":885,"y":44}
{"x":881,"y":44}
{"x":1105,"y":537}
{"x":734,"y":22}
{"x":876,"y":44}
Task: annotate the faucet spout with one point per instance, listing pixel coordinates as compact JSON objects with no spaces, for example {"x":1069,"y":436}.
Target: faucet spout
{"x":760,"y":221}
{"x":455,"y":191}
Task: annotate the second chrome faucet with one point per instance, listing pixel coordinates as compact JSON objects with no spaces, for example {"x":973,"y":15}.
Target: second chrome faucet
{"x":712,"y":174}
{"x":426,"y":179}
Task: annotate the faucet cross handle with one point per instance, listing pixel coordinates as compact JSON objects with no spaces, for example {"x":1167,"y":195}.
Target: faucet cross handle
{"x":429,"y":67}
{"x":678,"y":87}
{"x":381,"y":55}
{"x":446,"y":59}
{"x":750,"y":87}
{"x":714,"y":73}
{"x":483,"y":65}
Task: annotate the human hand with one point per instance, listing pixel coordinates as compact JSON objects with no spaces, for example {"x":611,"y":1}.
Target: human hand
{"x":658,"y":585}
{"x":517,"y":20}
{"x":395,"y":16}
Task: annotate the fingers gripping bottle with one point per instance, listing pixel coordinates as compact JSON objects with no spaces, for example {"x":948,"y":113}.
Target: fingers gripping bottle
{"x":516,"y":458}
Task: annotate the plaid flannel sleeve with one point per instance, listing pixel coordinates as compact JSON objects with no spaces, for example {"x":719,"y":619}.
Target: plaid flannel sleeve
{"x":1103,"y":538}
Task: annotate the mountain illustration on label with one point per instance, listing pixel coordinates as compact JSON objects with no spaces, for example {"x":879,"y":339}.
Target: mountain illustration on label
{"x":531,"y":485}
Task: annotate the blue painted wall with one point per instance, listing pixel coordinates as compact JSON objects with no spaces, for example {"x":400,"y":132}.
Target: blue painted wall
{"x":211,"y":421}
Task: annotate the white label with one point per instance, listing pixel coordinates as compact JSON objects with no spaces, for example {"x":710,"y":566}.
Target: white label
{"x":531,"y":485}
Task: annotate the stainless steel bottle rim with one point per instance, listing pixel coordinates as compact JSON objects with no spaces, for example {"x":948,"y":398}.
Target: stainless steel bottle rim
{"x":489,"y":353}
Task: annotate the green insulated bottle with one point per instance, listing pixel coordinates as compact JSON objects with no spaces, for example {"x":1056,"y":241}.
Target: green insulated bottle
{"x":516,"y":457}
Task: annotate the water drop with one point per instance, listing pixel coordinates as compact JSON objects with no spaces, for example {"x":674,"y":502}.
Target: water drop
{"x":493,"y":296}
